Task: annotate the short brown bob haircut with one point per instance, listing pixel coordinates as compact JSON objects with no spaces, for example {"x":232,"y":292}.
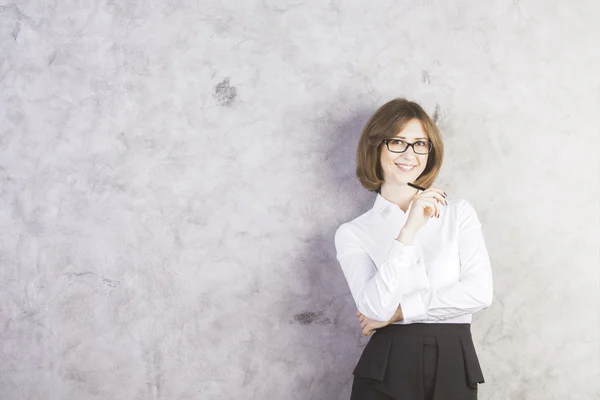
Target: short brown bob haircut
{"x":387,"y":122}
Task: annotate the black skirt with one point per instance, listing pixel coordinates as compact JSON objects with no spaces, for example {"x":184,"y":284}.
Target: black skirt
{"x":418,"y":362}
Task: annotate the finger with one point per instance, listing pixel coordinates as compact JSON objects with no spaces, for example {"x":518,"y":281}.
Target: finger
{"x":429,"y":204}
{"x":438,"y":209}
{"x":432,"y":189}
{"x":439,"y":198}
{"x":435,"y":195}
{"x":435,"y":207}
{"x":357,"y":313}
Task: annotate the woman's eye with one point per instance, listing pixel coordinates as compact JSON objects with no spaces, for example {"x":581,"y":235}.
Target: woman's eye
{"x":396,"y":141}
{"x":421,"y":144}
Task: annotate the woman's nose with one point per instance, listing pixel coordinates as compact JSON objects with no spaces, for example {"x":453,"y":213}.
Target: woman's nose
{"x":410,"y":153}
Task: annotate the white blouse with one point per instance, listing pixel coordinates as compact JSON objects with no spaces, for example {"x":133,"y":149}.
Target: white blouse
{"x":444,"y":276}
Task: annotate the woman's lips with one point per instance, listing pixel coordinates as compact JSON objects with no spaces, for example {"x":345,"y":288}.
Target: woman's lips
{"x":406,"y":168}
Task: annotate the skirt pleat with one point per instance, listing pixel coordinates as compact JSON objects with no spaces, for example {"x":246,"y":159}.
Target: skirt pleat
{"x":393,"y":362}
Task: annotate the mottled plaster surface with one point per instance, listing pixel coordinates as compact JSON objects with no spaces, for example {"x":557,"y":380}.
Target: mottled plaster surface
{"x":172,"y":174}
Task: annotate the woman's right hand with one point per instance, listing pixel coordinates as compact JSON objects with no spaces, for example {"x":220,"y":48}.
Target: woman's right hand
{"x":368,"y":325}
{"x":425,"y":205}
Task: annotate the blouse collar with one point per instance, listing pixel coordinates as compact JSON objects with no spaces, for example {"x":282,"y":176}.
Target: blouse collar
{"x":383,"y":206}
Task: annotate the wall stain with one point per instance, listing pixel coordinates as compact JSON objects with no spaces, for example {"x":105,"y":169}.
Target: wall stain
{"x":92,"y":279}
{"x":110,"y":283}
{"x":155,"y":374}
{"x":436,"y":113}
{"x":18,"y":15}
{"x":79,"y":274}
{"x":16,"y":30}
{"x":310,"y":317}
{"x":425,"y":76}
{"x":51,"y":58}
{"x":225,"y":94}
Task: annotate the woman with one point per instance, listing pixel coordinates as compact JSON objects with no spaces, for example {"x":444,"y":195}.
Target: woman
{"x":416,"y":264}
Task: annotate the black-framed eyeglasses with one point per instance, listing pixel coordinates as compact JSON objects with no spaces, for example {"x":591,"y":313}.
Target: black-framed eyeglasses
{"x":400,"y":146}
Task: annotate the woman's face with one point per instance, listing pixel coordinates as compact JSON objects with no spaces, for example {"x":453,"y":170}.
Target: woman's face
{"x":401,"y":168}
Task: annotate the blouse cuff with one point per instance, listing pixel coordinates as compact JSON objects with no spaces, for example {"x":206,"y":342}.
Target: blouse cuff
{"x":411,"y":262}
{"x":401,"y":250}
{"x":412,"y":307}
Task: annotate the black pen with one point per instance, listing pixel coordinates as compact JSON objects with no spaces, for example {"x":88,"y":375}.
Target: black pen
{"x":415,"y":186}
{"x":420,"y":188}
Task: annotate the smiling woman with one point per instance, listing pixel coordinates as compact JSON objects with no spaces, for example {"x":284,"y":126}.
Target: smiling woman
{"x":395,"y":156}
{"x":394,"y":124}
{"x":416,"y":292}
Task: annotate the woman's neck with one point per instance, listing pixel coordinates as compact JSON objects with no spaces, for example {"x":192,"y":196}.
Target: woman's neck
{"x":400,"y":195}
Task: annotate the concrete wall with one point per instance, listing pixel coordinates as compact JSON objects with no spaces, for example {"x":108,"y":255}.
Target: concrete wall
{"x":172,"y":173}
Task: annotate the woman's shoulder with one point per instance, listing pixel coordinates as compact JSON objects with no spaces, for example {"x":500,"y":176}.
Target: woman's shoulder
{"x":459,"y":203}
{"x":354,"y":223}
{"x":463,"y":209}
{"x":352,"y":228}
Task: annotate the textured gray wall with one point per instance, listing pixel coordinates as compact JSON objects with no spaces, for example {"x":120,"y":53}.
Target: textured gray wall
{"x":172,"y":173}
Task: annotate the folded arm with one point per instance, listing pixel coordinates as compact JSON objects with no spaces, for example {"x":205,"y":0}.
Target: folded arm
{"x":377,"y":292}
{"x":474,"y":291}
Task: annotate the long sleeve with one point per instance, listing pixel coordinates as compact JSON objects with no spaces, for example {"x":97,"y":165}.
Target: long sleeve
{"x":377,"y":292}
{"x":474,"y":290}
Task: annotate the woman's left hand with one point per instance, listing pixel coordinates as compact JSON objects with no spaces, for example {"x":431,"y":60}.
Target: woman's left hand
{"x":368,"y":325}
